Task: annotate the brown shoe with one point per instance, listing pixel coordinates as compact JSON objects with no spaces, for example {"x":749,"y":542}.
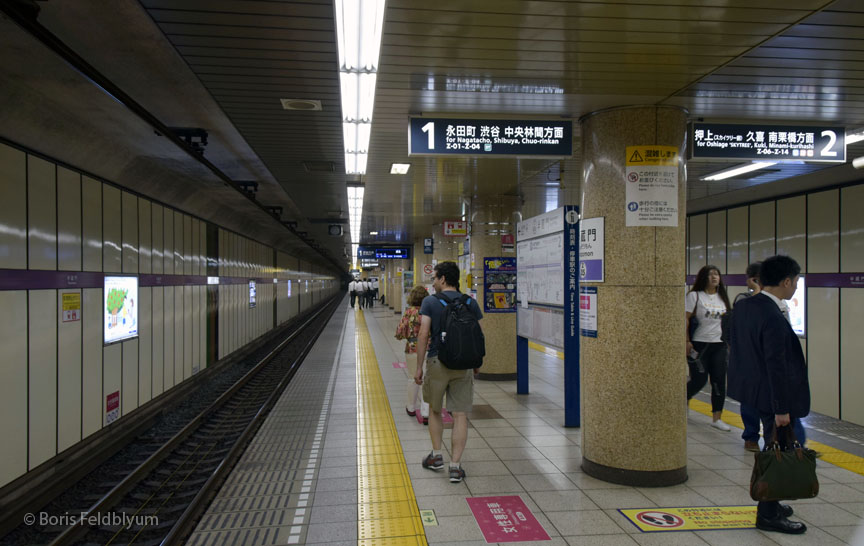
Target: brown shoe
{"x":751,"y":446}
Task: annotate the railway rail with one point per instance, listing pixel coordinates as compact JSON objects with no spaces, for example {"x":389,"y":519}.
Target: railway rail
{"x":163,"y":481}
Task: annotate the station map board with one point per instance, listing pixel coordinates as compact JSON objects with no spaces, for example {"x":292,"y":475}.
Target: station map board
{"x":547,"y":309}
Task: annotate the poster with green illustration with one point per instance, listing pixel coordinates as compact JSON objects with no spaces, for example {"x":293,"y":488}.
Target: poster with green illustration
{"x":120,"y":308}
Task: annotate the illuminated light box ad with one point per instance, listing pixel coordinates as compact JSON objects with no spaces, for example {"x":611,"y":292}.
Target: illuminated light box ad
{"x":797,"y":309}
{"x":121,"y":308}
{"x":253,"y":294}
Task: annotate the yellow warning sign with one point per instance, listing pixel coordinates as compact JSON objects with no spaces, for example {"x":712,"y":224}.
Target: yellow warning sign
{"x":703,"y":518}
{"x":71,"y":302}
{"x":71,"y":307}
{"x":428,"y":517}
{"x":638,"y":156}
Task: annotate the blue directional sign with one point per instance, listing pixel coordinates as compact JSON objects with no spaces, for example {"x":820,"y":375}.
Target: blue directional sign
{"x":367,"y":252}
{"x":494,"y":137}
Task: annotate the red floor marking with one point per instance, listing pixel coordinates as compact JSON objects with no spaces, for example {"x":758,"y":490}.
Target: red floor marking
{"x":506,"y":519}
{"x":398,"y":364}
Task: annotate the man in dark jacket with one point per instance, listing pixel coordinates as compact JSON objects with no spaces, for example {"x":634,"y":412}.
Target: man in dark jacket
{"x":767,"y":370}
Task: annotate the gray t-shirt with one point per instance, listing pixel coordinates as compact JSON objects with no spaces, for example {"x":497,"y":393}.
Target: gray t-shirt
{"x":433,"y":308}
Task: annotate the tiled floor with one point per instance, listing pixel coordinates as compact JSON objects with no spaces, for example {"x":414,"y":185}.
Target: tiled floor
{"x":524,"y":450}
{"x":528,"y":452}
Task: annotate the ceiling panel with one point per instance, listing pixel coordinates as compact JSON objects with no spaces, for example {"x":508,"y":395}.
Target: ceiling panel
{"x":796,"y":61}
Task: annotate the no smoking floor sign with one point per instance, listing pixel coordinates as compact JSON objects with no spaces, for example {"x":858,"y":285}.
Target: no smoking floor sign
{"x":702,"y":518}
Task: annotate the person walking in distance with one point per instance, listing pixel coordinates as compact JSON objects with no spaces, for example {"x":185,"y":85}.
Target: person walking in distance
{"x":361,"y":294}
{"x":440,"y":379}
{"x":352,"y":289}
{"x":767,"y":370}
{"x":408,"y":329}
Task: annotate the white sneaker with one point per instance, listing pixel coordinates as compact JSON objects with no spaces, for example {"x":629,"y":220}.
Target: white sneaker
{"x":720,"y":425}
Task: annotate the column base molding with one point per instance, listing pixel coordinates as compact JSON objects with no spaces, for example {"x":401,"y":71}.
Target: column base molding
{"x":496,"y":376}
{"x":635,"y":478}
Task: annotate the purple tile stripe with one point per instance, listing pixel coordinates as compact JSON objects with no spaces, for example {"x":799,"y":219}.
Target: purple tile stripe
{"x":23,"y":279}
{"x":814,"y":280}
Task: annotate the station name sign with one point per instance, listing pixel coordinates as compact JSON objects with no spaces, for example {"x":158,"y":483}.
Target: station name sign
{"x":768,"y":142}
{"x":496,"y":137}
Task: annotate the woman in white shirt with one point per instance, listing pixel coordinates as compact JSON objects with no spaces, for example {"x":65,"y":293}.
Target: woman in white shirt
{"x":706,"y":303}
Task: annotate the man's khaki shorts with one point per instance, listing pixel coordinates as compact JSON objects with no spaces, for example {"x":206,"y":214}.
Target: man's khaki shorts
{"x":457,"y":384}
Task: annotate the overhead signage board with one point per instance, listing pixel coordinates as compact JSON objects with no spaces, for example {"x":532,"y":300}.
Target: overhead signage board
{"x":652,"y":186}
{"x":399,"y":253}
{"x":497,"y":137}
{"x":369,"y":254}
{"x":760,"y":142}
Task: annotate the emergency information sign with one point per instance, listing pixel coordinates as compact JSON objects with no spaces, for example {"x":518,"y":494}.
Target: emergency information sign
{"x":652,"y":186}
{"x":500,"y":137}
{"x":455,"y":228}
{"x":768,"y":142}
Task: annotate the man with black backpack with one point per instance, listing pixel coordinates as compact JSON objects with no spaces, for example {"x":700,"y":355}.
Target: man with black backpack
{"x":449,"y":322}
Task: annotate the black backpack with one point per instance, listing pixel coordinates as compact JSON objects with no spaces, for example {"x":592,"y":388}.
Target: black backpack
{"x":462,"y":345}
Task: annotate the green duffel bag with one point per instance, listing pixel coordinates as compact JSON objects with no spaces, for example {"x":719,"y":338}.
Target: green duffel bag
{"x":780,"y":474}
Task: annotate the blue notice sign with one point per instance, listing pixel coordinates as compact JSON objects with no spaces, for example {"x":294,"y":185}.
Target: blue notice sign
{"x":499,"y":137}
{"x":427,"y":245}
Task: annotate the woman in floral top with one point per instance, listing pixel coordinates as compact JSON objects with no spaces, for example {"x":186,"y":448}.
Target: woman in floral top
{"x":408,"y":329}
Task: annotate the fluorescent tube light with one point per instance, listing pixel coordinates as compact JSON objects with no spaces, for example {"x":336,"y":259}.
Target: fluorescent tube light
{"x":399,"y":168}
{"x":349,"y":134}
{"x":735,"y":171}
{"x":366,"y":97}
{"x":359,"y":25}
{"x":855,"y":137}
{"x":373,"y":233}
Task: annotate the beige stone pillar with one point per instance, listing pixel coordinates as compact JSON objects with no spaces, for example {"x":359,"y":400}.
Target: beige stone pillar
{"x":490,"y":219}
{"x":634,"y":425}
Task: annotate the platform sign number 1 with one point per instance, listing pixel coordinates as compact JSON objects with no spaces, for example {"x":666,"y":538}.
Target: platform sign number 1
{"x":429,"y":129}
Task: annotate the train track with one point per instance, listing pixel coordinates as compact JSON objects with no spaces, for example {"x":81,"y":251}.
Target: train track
{"x":155,"y":496}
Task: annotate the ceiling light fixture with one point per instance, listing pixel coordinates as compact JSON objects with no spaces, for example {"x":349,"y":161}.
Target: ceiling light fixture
{"x":399,"y":168}
{"x":852,"y":138}
{"x":735,"y":171}
{"x":373,"y":233}
{"x":359,"y":26}
{"x":355,"y":214}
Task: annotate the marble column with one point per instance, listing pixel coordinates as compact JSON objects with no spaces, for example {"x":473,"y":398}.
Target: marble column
{"x":634,"y":423}
{"x":490,"y":219}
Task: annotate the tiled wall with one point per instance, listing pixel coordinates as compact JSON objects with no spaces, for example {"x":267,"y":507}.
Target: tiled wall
{"x":824,"y":232}
{"x":54,"y":375}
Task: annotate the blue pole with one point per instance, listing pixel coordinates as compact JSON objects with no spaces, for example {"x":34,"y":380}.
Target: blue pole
{"x":521,"y":365}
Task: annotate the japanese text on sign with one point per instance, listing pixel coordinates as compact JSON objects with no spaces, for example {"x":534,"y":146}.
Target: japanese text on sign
{"x":436,"y":136}
{"x":768,"y":142}
{"x":652,"y":186}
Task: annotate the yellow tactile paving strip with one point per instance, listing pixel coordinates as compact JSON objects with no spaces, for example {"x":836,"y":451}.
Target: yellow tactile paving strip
{"x":832,"y":455}
{"x":387,"y":512}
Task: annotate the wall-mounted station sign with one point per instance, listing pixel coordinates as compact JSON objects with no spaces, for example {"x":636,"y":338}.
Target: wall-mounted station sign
{"x":767,"y":142}
{"x":497,"y":137}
